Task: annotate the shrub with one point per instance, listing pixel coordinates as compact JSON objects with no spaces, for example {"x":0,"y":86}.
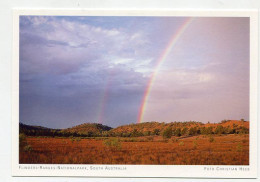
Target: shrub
{"x":224,"y":121}
{"x":139,"y":140}
{"x":192,"y":131}
{"x":156,"y":132}
{"x":167,"y":133}
{"x":22,"y":140}
{"x":27,"y":148}
{"x":150,"y":138}
{"x":243,"y":130}
{"x":209,"y":130}
{"x":22,"y":137}
{"x":165,"y":140}
{"x":195,"y":144}
{"x":181,"y":143}
{"x":244,"y":140}
{"x":177,"y":132}
{"x":175,"y":140}
{"x":211,"y":139}
{"x":136,"y":133}
{"x":239,"y":148}
{"x":113,"y":143}
{"x":132,"y":140}
{"x":184,"y":131}
{"x":219,"y":129}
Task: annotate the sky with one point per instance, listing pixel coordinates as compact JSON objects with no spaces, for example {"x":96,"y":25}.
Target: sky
{"x":78,"y":69}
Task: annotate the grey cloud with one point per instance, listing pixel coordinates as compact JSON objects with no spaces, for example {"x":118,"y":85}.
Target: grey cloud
{"x":66,"y":72}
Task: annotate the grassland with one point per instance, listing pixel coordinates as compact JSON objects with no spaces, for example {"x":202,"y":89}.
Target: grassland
{"x":217,"y":149}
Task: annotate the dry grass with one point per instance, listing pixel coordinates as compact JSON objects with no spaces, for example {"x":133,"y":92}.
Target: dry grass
{"x":196,"y":150}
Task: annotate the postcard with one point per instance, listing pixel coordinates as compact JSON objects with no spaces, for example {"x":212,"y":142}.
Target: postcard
{"x":135,"y":93}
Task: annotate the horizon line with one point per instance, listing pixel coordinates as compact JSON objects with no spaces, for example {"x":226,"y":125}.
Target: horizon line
{"x":227,"y":120}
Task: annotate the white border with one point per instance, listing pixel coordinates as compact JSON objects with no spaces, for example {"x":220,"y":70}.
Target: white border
{"x":139,"y":170}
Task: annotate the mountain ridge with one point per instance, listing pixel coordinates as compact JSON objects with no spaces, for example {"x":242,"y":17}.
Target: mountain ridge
{"x":140,"y":129}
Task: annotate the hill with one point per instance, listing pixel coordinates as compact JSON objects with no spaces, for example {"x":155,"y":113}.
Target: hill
{"x":181,"y":128}
{"x":151,"y":128}
{"x":82,"y":130}
{"x":88,"y":129}
{"x":37,"y":130}
{"x":189,"y":128}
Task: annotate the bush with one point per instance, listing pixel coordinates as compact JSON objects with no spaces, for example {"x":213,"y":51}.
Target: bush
{"x":113,"y":143}
{"x":244,"y":141}
{"x":78,"y":139}
{"x":165,"y":140}
{"x":156,"y":132}
{"x":131,"y":140}
{"x":22,"y":140}
{"x":167,"y":133}
{"x":175,"y":140}
{"x":192,"y":131}
{"x":211,"y":139}
{"x":239,"y":148}
{"x":181,"y":143}
{"x":27,"y":148}
{"x":209,"y":130}
{"x":177,"y":132}
{"x":184,"y":131}
{"x":141,"y":140}
{"x":195,"y":144}
{"x":150,"y":138}
{"x":220,"y":130}
{"x":224,"y":121}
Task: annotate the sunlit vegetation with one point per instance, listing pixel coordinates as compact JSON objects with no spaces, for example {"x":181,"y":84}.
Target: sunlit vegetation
{"x":23,"y":145}
{"x":166,"y":130}
{"x":187,"y":143}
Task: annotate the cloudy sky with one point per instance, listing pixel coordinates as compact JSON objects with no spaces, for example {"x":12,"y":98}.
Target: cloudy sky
{"x":96,"y":69}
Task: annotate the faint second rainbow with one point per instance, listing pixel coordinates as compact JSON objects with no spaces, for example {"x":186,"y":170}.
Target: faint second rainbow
{"x":161,"y":59}
{"x":104,"y":97}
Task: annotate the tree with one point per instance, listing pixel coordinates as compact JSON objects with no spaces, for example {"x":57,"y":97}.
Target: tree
{"x":156,"y":131}
{"x":184,"y":131}
{"x":147,"y":133}
{"x":224,"y":121}
{"x":219,"y":130}
{"x":136,"y":133}
{"x":167,"y":133}
{"x":244,"y":130}
{"x":192,"y":131}
{"x":177,"y":132}
{"x":203,"y":130}
{"x":209,"y":130}
{"x":198,"y":130}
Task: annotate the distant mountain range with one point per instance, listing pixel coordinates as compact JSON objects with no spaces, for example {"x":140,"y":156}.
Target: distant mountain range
{"x":140,"y":129}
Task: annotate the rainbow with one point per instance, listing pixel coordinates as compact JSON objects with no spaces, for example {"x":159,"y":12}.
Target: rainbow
{"x":104,"y":98}
{"x":159,"y":62}
{"x":101,"y":111}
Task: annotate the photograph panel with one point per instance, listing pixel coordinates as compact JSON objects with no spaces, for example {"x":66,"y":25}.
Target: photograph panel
{"x":148,"y":91}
